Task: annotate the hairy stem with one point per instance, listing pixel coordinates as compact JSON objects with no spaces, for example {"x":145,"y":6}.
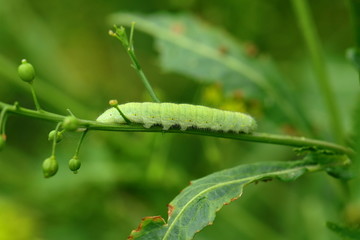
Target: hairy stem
{"x":254,"y":137}
{"x":314,"y":46}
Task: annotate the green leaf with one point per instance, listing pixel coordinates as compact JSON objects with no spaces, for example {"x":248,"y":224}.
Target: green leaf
{"x":345,"y":232}
{"x":195,"y":207}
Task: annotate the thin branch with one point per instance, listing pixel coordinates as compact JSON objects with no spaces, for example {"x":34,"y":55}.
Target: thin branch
{"x":36,"y":101}
{"x":55,"y":139}
{"x":254,"y":137}
{"x":120,"y":34}
{"x":77,"y":151}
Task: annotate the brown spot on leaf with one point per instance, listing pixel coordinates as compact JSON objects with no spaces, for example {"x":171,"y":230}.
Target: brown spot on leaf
{"x":223,"y":50}
{"x":170,"y":209}
{"x":145,"y":221}
{"x":251,"y":49}
{"x":178,"y":28}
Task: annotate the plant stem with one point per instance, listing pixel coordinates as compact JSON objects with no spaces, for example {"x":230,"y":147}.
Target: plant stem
{"x":55,"y":137}
{"x":120,"y":34}
{"x":46,"y":91}
{"x":142,"y":75}
{"x":3,"y":117}
{"x":314,"y":46}
{"x":254,"y":137}
{"x":123,"y":115}
{"x":37,"y":105}
{"x":80,"y":143}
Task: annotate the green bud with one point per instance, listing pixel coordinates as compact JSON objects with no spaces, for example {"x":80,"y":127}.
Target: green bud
{"x":74,"y":164}
{"x":111,"y":33}
{"x":50,"y":167}
{"x":113,"y":103}
{"x":59,"y":136}
{"x":26,"y":71}
{"x":70,"y":123}
{"x":120,"y":33}
{"x":2,"y":141}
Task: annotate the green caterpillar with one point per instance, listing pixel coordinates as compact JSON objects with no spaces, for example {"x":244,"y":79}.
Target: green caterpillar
{"x":183,"y":115}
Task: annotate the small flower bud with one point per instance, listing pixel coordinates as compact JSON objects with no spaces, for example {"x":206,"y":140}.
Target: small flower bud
{"x":113,"y":103}
{"x":50,"y":167}
{"x":120,"y":33}
{"x":26,"y":71}
{"x":74,"y":164}
{"x":59,"y":136}
{"x":70,"y":123}
{"x":2,"y":141}
{"x":111,"y":33}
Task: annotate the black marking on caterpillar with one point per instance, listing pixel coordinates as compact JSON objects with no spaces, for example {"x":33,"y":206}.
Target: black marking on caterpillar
{"x":184,"y":115}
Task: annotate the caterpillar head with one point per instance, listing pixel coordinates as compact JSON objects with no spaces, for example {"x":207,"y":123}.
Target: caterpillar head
{"x":111,"y":116}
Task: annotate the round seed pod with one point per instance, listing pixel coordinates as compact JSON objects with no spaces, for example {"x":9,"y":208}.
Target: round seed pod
{"x":74,"y":164}
{"x":26,"y":71}
{"x":50,"y":167}
{"x":59,"y":136}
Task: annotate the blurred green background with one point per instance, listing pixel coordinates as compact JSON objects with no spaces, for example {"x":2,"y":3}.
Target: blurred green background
{"x":127,"y":176}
